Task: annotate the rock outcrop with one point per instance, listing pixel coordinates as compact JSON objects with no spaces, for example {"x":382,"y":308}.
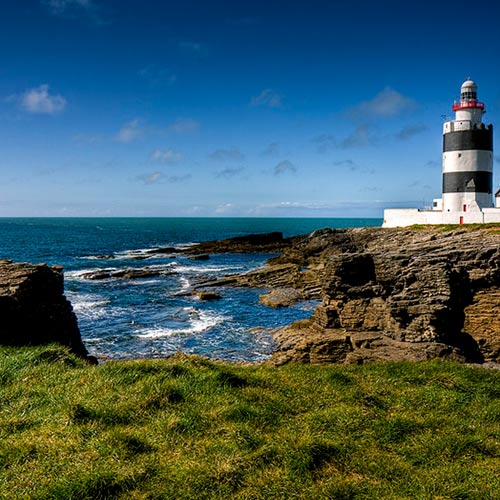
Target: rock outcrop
{"x":398,"y":294}
{"x":33,"y":308}
{"x":386,"y":294}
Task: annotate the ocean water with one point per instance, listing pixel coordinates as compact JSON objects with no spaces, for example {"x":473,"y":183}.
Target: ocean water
{"x":149,"y":317}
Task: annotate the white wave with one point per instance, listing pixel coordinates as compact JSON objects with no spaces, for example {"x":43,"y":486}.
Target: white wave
{"x":206,"y":269}
{"x":96,"y":257}
{"x":145,"y":253}
{"x":185,"y":283}
{"x":88,"y":305}
{"x":199,"y":322}
{"x":80,"y":274}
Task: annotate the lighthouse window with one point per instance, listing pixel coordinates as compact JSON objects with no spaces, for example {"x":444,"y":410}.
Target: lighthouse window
{"x":460,"y":155}
{"x":469,"y":95}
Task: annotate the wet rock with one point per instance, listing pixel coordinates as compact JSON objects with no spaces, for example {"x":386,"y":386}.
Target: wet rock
{"x":252,"y":243}
{"x":33,"y":308}
{"x":129,"y":273}
{"x":208,"y":295}
{"x":161,"y":250}
{"x":281,"y":297}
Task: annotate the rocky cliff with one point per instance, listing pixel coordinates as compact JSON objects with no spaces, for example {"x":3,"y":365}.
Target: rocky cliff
{"x":33,"y":308}
{"x":387,"y":294}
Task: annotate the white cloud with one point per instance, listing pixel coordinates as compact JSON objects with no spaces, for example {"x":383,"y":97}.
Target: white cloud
{"x":229,"y":172}
{"x":386,"y":103}
{"x":61,"y":6}
{"x":168,"y":156}
{"x":72,"y":9}
{"x":39,"y":101}
{"x":184,"y":126}
{"x":269,"y":98}
{"x":152,"y":178}
{"x":283,"y":167}
{"x":130,"y":132}
{"x":226,"y":208}
{"x":227,"y":154}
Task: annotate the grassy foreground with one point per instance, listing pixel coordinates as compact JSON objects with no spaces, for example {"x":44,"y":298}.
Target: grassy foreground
{"x":188,"y":428}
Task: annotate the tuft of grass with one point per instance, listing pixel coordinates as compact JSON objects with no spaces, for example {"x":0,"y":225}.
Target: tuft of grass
{"x":190,"y":428}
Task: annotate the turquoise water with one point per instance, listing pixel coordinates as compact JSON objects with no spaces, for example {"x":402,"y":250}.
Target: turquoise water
{"x":148,"y":317}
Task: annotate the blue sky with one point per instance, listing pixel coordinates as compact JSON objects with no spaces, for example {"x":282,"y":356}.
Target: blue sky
{"x":225,"y":108}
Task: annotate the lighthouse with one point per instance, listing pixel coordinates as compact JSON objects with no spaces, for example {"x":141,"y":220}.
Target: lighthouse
{"x":467,"y":189}
{"x":467,"y":155}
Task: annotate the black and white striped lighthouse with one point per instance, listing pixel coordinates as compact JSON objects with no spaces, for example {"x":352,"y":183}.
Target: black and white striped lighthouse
{"x":467,"y":156}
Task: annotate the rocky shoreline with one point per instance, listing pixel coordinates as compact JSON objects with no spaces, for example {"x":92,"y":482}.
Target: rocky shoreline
{"x":384,"y":294}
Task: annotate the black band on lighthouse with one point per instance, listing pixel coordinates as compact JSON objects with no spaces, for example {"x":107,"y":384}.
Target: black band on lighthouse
{"x":463,"y":140}
{"x":468,"y":182}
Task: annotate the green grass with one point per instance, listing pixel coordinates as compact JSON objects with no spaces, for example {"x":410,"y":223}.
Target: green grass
{"x":188,"y":428}
{"x":490,"y":227}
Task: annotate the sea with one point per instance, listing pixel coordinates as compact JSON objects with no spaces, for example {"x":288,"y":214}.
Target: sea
{"x":154,"y":317}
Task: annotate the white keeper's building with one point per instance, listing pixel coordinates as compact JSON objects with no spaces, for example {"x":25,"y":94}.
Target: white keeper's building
{"x":467,"y":171}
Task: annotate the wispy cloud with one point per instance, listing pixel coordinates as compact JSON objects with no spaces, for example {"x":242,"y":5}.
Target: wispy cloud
{"x":130,"y":132}
{"x":271,"y":150}
{"x":167,"y":156}
{"x":325,"y":143}
{"x":190,"y":46}
{"x":386,"y":103}
{"x":157,"y":76}
{"x":61,"y":6}
{"x":159,"y":177}
{"x":83,"y":138}
{"x":410,"y":131}
{"x":229,"y":172}
{"x":284,"y":167}
{"x":353,"y":166}
{"x":269,"y":98}
{"x":184,"y":126}
{"x":152,"y":178}
{"x":39,"y":101}
{"x":75,"y":8}
{"x":178,"y":178}
{"x":363,"y":135}
{"x":433,"y":164}
{"x":232,"y":154}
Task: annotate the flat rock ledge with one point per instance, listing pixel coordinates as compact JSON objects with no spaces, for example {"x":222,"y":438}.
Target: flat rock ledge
{"x":34,"y":310}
